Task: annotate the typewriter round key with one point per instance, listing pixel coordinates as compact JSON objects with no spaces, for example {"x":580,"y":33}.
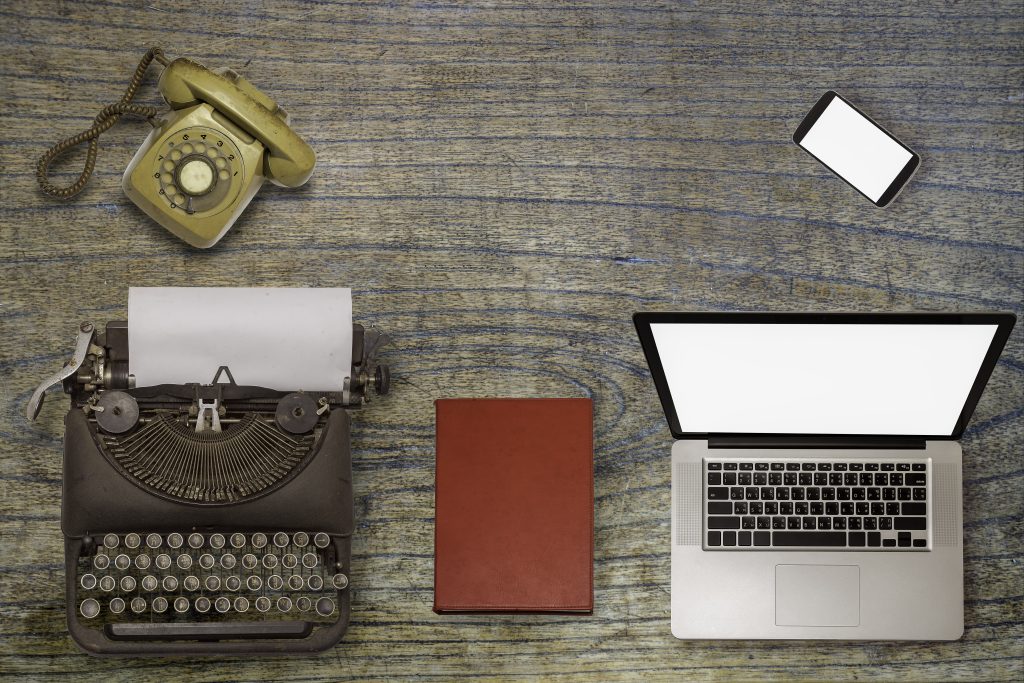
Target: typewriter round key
{"x":295,"y":582}
{"x":281,"y":539}
{"x":117,"y":605}
{"x":149,"y":583}
{"x":163,"y":561}
{"x":321,"y":540}
{"x":181,"y":605}
{"x":270,"y":561}
{"x":289,"y":561}
{"x":301,"y":539}
{"x":222,"y":604}
{"x":217,"y":541}
{"x":241,"y":605}
{"x":133,"y":541}
{"x":143,"y":561}
{"x":304,"y":604}
{"x":315,"y":582}
{"x":160,"y":604}
{"x":237,"y":540}
{"x":101,"y":561}
{"x":228,"y":561}
{"x":107,"y":584}
{"x":153,"y":541}
{"x":263,"y":603}
{"x":88,"y":581}
{"x":340,"y":581}
{"x":254,"y":583}
{"x":203,"y":604}
{"x":213,"y":583}
{"x":184,"y":561}
{"x":127,"y":584}
{"x":138,"y":605}
{"x":190,"y":583}
{"x":325,"y":607}
{"x":175,"y":541}
{"x":275,"y":582}
{"x":309,"y":560}
{"x":206,"y":561}
{"x":232,"y":583}
{"x":90,"y":608}
{"x":110,"y":541}
{"x":259,"y":540}
{"x":249,"y":561}
{"x":122,"y":562}
{"x":284,"y":604}
{"x":170,"y":583}
{"x":195,"y":541}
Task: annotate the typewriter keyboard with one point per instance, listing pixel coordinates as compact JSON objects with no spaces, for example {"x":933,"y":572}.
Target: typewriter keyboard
{"x":193,"y":577}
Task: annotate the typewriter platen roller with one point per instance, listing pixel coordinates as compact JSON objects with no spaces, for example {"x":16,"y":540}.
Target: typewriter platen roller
{"x":206,"y":518}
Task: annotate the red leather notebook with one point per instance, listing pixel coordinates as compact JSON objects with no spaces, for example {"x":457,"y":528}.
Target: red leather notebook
{"x":514,"y":500}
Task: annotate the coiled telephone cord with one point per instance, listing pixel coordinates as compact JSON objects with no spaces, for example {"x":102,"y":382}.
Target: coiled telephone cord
{"x":107,"y":117}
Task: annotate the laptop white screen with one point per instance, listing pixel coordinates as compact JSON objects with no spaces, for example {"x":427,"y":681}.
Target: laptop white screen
{"x":910,"y":379}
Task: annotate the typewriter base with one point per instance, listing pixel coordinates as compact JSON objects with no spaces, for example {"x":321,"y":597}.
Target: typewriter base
{"x":98,"y":500}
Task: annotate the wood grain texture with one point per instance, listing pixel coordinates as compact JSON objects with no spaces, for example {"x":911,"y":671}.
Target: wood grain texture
{"x":503,"y":185}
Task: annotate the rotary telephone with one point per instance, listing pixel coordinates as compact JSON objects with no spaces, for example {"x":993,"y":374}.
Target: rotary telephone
{"x":205,"y":158}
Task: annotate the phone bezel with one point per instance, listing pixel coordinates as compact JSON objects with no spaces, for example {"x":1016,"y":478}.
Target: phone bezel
{"x":901,"y":178}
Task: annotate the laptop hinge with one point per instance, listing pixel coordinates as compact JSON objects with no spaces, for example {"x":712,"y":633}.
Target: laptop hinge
{"x":822,"y":442}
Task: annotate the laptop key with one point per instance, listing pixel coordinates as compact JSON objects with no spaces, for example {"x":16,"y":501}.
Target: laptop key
{"x":914,"y":508}
{"x":714,"y":538}
{"x":762,"y":538}
{"x":874,"y":539}
{"x":918,"y":467}
{"x":888,"y":542}
{"x":910,"y":524}
{"x":920,"y":543}
{"x":714,"y":478}
{"x":744,"y":538}
{"x":714,"y":465}
{"x":857,"y":539}
{"x":719,"y":508}
{"x":723,"y":522}
{"x":729,"y":538}
{"x":778,"y":466}
{"x":809,"y":538}
{"x":903,"y":538}
{"x":915,"y":479}
{"x":718,"y":493}
{"x":760,"y":466}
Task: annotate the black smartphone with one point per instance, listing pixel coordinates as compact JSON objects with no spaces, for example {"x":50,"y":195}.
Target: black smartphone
{"x":858,"y":150}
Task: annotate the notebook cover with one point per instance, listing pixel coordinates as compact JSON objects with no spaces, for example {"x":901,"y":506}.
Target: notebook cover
{"x":514,"y":498}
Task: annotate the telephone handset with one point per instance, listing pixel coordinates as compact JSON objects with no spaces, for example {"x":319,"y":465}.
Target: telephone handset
{"x":206,"y":158}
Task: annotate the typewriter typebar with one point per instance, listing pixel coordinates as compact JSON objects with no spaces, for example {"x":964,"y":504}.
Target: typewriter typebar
{"x":206,"y":518}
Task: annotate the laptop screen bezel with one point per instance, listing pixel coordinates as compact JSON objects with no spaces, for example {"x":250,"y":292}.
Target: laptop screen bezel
{"x":643,"y":321}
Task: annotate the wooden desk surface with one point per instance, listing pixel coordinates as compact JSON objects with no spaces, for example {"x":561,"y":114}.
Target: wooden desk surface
{"x":503,"y":185}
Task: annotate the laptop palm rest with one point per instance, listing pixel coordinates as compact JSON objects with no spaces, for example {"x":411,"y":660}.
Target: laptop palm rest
{"x":817,"y":595}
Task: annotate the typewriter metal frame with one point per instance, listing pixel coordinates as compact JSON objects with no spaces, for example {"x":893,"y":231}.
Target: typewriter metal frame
{"x":100,"y":496}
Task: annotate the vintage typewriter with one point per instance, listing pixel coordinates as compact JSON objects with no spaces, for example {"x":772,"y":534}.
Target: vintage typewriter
{"x":206,"y":518}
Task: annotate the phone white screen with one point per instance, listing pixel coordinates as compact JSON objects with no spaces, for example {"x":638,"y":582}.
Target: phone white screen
{"x":856,"y":149}
{"x":820,"y":379}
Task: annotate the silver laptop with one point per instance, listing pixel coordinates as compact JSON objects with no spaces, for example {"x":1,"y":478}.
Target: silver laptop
{"x":816,"y":476}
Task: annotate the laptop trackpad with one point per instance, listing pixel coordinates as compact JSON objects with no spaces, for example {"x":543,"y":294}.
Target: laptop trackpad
{"x":817,"y":595}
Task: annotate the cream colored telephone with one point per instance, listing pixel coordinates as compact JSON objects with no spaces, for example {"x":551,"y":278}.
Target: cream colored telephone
{"x":206,"y":158}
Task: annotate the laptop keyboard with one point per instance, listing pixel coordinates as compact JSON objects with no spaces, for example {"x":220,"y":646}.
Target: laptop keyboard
{"x":819,"y":505}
